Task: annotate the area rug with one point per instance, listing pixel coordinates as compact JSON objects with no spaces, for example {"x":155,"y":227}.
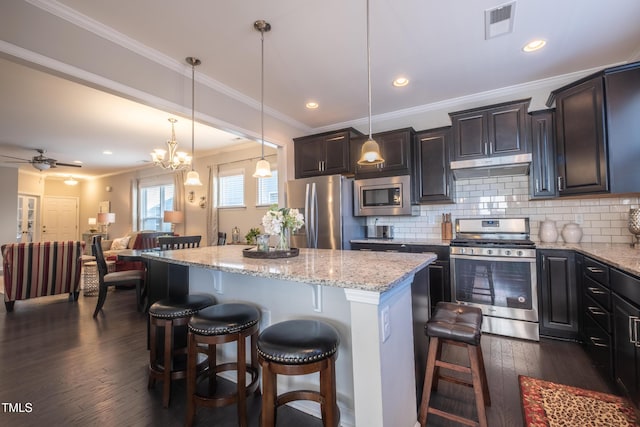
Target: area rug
{"x":549,"y":404}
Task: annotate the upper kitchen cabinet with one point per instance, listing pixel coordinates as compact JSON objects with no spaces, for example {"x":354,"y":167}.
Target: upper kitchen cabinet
{"x":598,"y":132}
{"x":497,"y":130}
{"x":433,"y":179}
{"x":395,"y":148}
{"x":542,"y":177}
{"x":324,"y":154}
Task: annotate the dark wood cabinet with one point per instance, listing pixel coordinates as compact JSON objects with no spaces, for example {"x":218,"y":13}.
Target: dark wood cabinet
{"x":580,"y":141}
{"x":496,"y":130}
{"x":324,"y":154}
{"x":559,"y":308}
{"x":395,"y":148}
{"x":439,"y":275}
{"x":597,"y":132}
{"x":542,"y":176}
{"x":596,"y":315}
{"x":438,"y":271}
{"x":626,"y":330}
{"x":433,"y":181}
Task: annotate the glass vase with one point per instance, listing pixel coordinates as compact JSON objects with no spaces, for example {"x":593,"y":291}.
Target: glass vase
{"x":284,"y":240}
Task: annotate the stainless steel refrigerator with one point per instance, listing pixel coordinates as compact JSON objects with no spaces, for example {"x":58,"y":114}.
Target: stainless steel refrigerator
{"x":327,"y":205}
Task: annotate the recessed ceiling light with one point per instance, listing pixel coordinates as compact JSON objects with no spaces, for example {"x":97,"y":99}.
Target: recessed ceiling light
{"x":534,"y":45}
{"x":401,"y":81}
{"x":312,"y":105}
{"x":107,"y":152}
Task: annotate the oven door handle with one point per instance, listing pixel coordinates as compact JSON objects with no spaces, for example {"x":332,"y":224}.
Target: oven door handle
{"x":493,"y":258}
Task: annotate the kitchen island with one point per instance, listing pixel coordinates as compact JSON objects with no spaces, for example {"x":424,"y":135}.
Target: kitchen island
{"x":365,"y":295}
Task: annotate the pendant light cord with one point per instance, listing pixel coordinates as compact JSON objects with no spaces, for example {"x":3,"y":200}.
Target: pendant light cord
{"x":262,"y":90}
{"x":193,"y":107}
{"x":369,"y":69}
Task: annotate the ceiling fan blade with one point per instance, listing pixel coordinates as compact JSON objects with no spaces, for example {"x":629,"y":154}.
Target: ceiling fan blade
{"x":73,"y":165}
{"x":16,"y":158}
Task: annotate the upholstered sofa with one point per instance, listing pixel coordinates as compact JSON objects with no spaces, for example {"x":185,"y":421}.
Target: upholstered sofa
{"x":38,"y":269}
{"x":133,"y":240}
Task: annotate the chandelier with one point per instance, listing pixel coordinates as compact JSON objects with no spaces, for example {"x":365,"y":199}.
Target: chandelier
{"x":175,"y":160}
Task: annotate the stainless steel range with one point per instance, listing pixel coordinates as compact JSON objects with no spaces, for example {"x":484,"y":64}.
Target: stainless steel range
{"x":493,"y":266}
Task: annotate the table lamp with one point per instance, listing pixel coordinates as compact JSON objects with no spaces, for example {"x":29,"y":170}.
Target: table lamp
{"x":174,"y":217}
{"x":92,"y":225}
{"x":106,"y":218}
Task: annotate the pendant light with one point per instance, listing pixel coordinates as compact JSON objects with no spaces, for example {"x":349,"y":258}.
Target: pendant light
{"x":263,"y":168}
{"x":370,"y":149}
{"x":192,"y":177}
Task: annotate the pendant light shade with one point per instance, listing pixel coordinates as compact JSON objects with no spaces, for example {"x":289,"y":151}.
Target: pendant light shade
{"x":192,"y":177}
{"x":263,"y":168}
{"x":370,"y":154}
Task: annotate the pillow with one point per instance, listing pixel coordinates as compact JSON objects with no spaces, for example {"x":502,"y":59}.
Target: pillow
{"x":120,"y":243}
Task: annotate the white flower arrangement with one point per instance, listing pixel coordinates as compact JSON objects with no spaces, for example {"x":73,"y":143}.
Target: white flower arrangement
{"x":276,"y":220}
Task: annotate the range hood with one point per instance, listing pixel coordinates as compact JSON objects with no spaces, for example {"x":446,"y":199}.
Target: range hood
{"x":492,"y":166}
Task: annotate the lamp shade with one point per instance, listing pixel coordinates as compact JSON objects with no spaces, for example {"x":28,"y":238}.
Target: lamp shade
{"x":263,"y":169}
{"x":92,"y":221}
{"x":192,"y":178}
{"x":106,"y":218}
{"x":370,"y":153}
{"x":174,"y":217}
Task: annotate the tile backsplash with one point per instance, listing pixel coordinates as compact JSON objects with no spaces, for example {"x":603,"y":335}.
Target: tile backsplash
{"x":603,"y":219}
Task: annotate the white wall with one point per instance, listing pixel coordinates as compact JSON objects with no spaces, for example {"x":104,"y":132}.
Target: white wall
{"x":9,"y":205}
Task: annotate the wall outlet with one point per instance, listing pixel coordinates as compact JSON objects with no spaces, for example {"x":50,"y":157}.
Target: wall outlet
{"x":385,"y":323}
{"x":579,"y":218}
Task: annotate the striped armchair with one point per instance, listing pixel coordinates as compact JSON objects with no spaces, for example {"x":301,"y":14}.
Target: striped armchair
{"x":38,"y":269}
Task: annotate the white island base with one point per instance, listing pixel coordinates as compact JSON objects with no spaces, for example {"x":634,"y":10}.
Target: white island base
{"x":375,"y":367}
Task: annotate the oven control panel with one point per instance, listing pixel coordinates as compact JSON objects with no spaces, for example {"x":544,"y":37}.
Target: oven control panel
{"x":496,"y":252}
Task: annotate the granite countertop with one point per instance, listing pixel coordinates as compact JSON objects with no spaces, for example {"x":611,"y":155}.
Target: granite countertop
{"x":620,"y":255}
{"x":370,"y":271}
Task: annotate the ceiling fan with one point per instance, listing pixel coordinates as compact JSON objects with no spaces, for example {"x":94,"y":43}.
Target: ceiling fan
{"x":42,"y":162}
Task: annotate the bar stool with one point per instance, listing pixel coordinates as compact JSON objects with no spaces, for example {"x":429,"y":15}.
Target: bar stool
{"x":219,"y":324}
{"x":458,"y":325}
{"x":171,"y":314}
{"x":299,"y":347}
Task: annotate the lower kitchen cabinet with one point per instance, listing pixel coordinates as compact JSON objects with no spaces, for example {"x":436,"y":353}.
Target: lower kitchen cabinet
{"x":626,"y":330}
{"x":439,"y":276}
{"x":558,"y":294}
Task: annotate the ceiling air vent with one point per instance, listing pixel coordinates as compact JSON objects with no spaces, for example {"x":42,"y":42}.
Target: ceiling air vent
{"x":499,"y":21}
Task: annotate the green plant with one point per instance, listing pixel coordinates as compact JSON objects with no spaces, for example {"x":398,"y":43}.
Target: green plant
{"x":250,"y":237}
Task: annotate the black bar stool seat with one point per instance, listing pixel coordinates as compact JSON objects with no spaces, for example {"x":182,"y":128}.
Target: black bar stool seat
{"x":299,"y":347}
{"x":459,"y":325}
{"x":172,"y":314}
{"x":219,"y":324}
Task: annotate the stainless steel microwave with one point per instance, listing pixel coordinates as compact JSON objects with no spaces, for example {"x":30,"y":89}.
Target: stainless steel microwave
{"x":382,"y":196}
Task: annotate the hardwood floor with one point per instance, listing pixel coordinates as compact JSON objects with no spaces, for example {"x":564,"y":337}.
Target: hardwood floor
{"x":74,"y":370}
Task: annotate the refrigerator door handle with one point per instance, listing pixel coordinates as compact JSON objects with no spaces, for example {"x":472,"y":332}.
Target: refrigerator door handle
{"x":309,"y":210}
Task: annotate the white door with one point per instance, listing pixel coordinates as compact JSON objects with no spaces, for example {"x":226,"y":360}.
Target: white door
{"x":27,"y":219}
{"x":59,"y":218}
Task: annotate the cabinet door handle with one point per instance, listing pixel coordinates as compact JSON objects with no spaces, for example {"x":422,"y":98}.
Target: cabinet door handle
{"x":596,"y":311}
{"x":595,"y":270}
{"x":633,"y":332}
{"x":596,"y":291}
{"x":537,"y":185}
{"x":594,"y":341}
{"x":490,"y":148}
{"x":560,"y":183}
{"x":486,"y":148}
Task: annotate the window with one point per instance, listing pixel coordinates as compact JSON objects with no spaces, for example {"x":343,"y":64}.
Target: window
{"x":154,"y":200}
{"x":268,"y":190}
{"x":231,"y":189}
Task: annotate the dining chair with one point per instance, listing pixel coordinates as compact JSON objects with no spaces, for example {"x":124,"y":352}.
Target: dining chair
{"x":105,"y":279}
{"x":178,"y":242}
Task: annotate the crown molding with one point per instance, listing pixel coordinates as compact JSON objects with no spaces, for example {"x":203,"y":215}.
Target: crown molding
{"x":74,"y":17}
